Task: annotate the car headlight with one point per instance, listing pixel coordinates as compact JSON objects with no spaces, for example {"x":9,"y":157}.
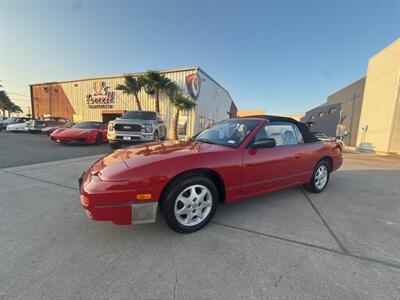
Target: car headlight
{"x":148,"y":128}
{"x":110,"y":126}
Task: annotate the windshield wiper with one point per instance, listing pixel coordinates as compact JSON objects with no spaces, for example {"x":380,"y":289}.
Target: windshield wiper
{"x":205,"y":141}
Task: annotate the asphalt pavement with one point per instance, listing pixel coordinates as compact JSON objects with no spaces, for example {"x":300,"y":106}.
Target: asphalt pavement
{"x":18,"y":149}
{"x":340,"y":244}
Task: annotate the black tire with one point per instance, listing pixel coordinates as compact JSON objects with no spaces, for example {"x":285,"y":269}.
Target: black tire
{"x":312,"y":186}
{"x":99,"y":139}
{"x":115,"y":145}
{"x":155,"y":137}
{"x":164,"y":137}
{"x":170,"y":197}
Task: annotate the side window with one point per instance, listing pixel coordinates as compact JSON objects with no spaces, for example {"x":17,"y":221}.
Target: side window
{"x":283,"y":134}
{"x":299,"y":136}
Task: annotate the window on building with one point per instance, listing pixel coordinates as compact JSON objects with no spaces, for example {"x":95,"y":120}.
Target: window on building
{"x":321,"y":114}
{"x":282,"y":134}
{"x":201,"y":122}
{"x":210,"y":122}
{"x":312,"y":117}
{"x":332,"y":110}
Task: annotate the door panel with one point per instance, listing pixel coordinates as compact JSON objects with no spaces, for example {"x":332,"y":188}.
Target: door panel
{"x":273,"y":168}
{"x":267,"y":169}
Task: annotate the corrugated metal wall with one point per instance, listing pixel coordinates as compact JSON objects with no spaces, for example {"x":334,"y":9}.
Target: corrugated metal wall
{"x":213,"y":101}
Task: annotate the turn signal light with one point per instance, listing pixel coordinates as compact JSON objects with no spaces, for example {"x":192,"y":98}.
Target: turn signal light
{"x":84,"y":200}
{"x":143,"y":196}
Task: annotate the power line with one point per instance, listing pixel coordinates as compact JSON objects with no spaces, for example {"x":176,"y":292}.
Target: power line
{"x":18,"y":94}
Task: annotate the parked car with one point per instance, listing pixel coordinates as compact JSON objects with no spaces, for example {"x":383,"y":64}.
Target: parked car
{"x":323,"y":137}
{"x":230,"y":161}
{"x":84,"y":133}
{"x":2,"y":119}
{"x":13,"y":120}
{"x":48,"y":125}
{"x":19,"y":127}
{"x":135,"y":126}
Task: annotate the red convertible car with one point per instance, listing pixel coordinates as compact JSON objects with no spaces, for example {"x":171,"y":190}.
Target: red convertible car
{"x":234,"y":159}
{"x":83,"y":133}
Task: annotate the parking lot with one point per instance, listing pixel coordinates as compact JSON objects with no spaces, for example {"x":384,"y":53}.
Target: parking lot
{"x":22,"y":149}
{"x":340,"y":244}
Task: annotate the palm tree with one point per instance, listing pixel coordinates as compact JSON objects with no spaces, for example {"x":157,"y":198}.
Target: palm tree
{"x":5,"y":103}
{"x":132,"y":86}
{"x":156,"y":81}
{"x":180,"y":102}
{"x":14,"y":109}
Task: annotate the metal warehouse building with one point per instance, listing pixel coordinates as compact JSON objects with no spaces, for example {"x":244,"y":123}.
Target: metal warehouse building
{"x":367,"y":112}
{"x":96,"y":99}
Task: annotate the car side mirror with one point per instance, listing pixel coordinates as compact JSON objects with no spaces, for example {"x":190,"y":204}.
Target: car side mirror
{"x":264,"y":143}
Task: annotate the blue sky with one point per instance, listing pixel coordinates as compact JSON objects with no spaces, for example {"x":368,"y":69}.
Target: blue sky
{"x":281,"y":56}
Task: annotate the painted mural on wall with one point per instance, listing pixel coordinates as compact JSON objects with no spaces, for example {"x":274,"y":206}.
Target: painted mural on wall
{"x":101,"y":96}
{"x":193,"y":85}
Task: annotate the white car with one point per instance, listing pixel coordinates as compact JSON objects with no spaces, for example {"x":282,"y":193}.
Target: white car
{"x":19,"y":127}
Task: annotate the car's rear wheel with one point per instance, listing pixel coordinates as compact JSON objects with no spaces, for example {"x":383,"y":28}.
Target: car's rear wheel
{"x":115,"y":145}
{"x":320,"y":177}
{"x":99,"y":139}
{"x":190,"y":204}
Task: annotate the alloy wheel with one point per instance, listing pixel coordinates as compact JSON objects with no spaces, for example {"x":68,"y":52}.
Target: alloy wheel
{"x":193,"y":205}
{"x":321,"y":177}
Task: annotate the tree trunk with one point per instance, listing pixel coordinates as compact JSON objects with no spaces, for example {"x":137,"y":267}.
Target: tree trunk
{"x":157,"y":102}
{"x":139,"y":106}
{"x":175,"y":129}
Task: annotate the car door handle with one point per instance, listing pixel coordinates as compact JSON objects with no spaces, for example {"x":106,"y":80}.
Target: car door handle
{"x":298,"y":156}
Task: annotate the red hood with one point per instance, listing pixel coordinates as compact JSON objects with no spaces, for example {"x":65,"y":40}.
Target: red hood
{"x":152,"y":152}
{"x":72,"y":132}
{"x":114,"y":164}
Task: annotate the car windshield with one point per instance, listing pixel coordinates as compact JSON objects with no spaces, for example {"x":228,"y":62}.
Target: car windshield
{"x":10,"y":120}
{"x":229,"y":133}
{"x":88,"y":125}
{"x":141,"y":115}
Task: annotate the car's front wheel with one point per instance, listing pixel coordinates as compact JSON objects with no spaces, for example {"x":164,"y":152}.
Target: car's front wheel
{"x":320,"y":177}
{"x":99,"y":139}
{"x":190,"y":204}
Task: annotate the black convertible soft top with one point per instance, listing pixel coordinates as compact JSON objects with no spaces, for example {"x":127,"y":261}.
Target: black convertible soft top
{"x":308,"y":136}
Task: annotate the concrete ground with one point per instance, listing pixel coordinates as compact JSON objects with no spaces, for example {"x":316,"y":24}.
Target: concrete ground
{"x":341,"y":244}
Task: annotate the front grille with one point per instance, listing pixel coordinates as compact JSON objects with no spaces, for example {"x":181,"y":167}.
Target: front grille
{"x":128,"y":127}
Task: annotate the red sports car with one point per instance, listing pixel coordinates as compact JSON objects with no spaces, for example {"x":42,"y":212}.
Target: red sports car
{"x":234,"y":159}
{"x":83,"y":133}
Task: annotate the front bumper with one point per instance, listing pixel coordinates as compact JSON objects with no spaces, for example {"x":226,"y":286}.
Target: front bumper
{"x":129,"y":137}
{"x":78,"y":140}
{"x":121,"y":213}
{"x":136,"y":213}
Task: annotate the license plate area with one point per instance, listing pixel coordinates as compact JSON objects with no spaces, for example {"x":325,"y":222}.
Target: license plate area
{"x":126,"y":138}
